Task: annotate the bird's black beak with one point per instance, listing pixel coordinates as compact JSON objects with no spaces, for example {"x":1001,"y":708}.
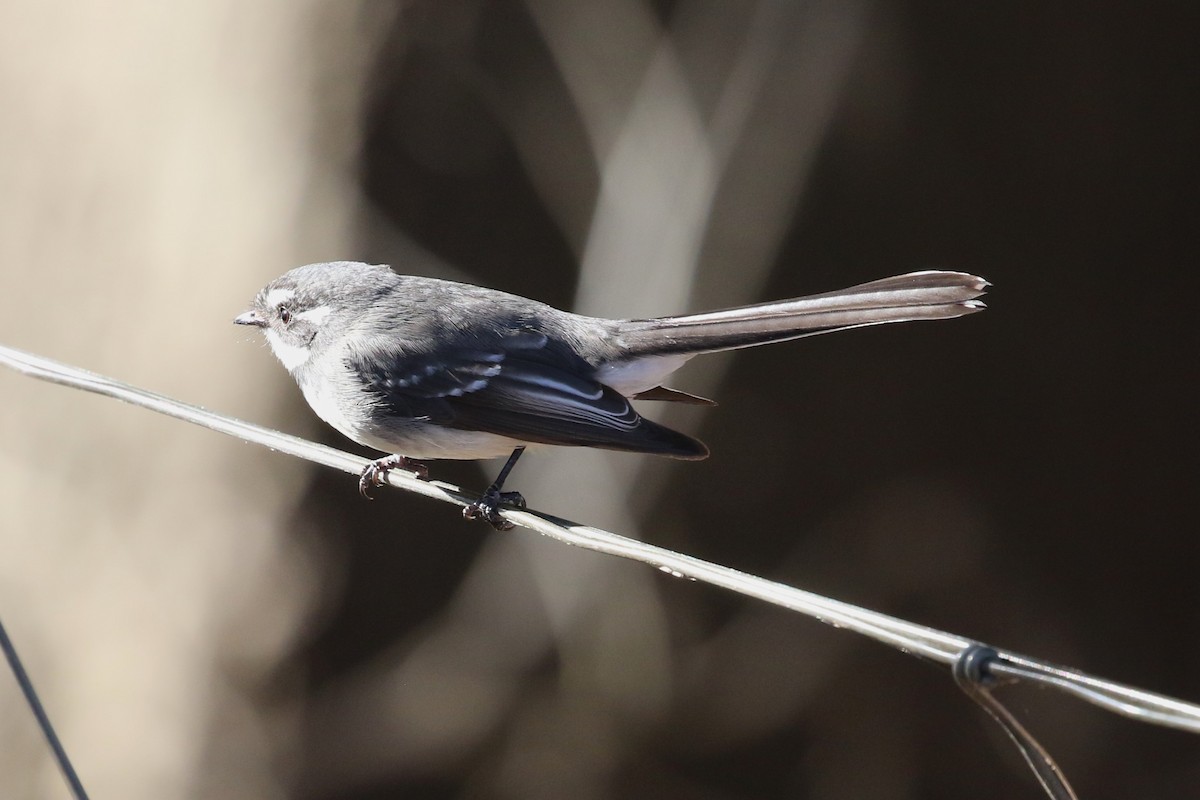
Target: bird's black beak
{"x":250,"y":317}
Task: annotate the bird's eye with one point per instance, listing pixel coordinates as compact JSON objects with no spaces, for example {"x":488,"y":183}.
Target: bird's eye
{"x":285,"y":314}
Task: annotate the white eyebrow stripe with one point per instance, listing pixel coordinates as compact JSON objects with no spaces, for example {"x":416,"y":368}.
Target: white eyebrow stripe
{"x":315,"y":315}
{"x":277,"y":296}
{"x":291,"y":355}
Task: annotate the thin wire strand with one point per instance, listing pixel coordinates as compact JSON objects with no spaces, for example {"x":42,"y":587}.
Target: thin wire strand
{"x":973,"y":675}
{"x":918,"y":640}
{"x":39,"y":713}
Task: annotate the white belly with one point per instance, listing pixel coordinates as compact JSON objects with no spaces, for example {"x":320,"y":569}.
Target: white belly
{"x":424,"y":441}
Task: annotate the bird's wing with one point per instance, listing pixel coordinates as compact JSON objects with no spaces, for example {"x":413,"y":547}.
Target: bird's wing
{"x":517,"y":386}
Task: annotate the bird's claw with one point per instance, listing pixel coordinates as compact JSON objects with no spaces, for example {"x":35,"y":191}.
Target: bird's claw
{"x":375,"y":473}
{"x":488,"y":508}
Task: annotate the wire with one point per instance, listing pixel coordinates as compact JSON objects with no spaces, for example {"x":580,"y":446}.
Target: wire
{"x":39,"y":713}
{"x":972,"y":673}
{"x":908,"y":637}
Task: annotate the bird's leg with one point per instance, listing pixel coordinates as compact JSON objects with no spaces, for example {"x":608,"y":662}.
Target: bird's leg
{"x":375,"y":473}
{"x":488,"y":506}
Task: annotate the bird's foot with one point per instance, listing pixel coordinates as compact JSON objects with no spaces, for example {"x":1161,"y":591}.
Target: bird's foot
{"x":488,"y":507}
{"x":375,"y":473}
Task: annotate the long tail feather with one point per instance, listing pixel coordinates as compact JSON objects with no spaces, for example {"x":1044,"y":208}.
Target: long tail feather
{"x":915,"y":296}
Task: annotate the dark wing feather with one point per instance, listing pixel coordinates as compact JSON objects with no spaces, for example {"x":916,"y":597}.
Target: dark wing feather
{"x":521,"y":389}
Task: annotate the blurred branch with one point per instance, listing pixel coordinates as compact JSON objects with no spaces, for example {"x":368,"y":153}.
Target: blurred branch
{"x":928,"y":643}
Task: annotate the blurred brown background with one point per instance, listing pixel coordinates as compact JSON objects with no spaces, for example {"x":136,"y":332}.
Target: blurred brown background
{"x":210,"y":620}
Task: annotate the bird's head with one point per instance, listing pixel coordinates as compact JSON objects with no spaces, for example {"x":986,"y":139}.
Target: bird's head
{"x":301,"y":310}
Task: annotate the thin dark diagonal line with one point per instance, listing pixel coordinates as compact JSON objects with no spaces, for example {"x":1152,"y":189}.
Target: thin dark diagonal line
{"x":39,"y":712}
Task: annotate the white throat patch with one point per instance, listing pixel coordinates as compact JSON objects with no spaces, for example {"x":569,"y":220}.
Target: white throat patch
{"x":291,"y":355}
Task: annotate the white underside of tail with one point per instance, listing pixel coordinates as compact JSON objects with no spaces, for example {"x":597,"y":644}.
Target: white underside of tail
{"x":639,"y":374}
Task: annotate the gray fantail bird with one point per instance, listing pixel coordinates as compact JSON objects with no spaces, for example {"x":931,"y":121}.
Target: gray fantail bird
{"x":426,"y":368}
